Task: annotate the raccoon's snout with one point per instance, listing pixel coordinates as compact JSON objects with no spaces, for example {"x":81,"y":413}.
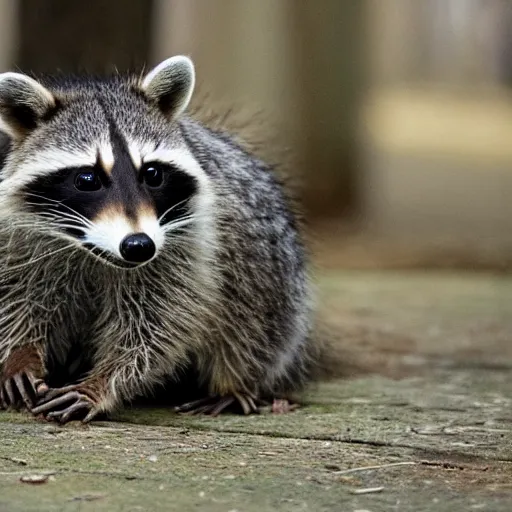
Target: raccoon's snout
{"x":137,"y":248}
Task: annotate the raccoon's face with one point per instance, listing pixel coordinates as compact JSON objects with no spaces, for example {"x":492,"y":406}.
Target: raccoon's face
{"x":102,"y":162}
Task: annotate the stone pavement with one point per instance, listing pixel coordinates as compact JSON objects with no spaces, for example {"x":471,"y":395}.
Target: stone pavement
{"x":426,"y":426}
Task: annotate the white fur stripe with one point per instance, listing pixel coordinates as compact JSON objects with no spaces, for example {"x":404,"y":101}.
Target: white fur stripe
{"x":55,"y":159}
{"x":106,"y":156}
{"x":181,"y":158}
{"x":134,"y":151}
{"x":41,"y":164}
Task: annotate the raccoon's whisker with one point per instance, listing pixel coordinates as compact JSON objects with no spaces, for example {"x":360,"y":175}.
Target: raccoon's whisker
{"x":175,"y":226}
{"x":53,"y":214}
{"x":46,"y":199}
{"x":54,"y":221}
{"x":70,"y":226}
{"x":181,"y":234}
{"x":61,"y":203}
{"x":72,"y":213}
{"x":68,"y":218}
{"x":188,"y":216}
{"x":56,"y":215}
{"x":180,"y":219}
{"x":171,"y":209}
{"x":59,"y":213}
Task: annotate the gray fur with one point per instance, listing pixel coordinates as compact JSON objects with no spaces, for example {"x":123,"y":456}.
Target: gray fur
{"x":241,"y":310}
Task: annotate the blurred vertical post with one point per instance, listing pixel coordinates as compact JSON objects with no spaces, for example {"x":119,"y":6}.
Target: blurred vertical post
{"x":329,"y":46}
{"x":8,"y":32}
{"x":298,"y":61}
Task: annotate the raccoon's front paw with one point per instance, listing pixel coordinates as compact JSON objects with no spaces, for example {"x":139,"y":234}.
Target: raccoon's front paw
{"x":68,"y":403}
{"x":21,"y":391}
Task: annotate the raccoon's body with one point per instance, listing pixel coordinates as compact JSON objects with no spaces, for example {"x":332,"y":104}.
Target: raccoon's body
{"x":136,"y":236}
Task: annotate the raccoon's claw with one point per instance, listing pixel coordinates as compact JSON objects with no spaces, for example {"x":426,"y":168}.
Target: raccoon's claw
{"x":79,"y":405}
{"x":22,"y":390}
{"x":214,"y":405}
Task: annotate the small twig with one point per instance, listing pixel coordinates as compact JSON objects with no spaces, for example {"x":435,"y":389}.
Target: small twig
{"x":451,"y":465}
{"x":88,"y":497}
{"x":368,"y":490}
{"x":369,"y":468}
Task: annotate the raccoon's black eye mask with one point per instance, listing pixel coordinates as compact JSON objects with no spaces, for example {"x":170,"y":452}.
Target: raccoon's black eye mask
{"x":88,"y":190}
{"x":92,"y":180}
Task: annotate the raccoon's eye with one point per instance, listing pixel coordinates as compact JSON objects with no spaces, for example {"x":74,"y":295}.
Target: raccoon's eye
{"x":87,"y":181}
{"x":153,"y":175}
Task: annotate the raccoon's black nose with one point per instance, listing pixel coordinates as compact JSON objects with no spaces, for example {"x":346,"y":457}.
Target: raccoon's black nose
{"x":137,"y":248}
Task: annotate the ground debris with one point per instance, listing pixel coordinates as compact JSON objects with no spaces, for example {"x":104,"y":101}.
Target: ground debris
{"x":15,"y":460}
{"x":451,"y":465}
{"x":34,"y":479}
{"x":368,"y":490}
{"x":88,"y":497}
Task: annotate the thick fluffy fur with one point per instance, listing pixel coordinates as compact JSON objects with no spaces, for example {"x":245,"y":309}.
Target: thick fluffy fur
{"x":227,"y":292}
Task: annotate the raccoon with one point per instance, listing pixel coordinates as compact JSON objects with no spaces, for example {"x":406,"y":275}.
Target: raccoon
{"x":134,"y":235}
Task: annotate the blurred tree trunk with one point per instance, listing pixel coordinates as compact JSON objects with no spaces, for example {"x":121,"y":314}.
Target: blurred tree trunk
{"x":94,"y":36}
{"x":299,"y":62}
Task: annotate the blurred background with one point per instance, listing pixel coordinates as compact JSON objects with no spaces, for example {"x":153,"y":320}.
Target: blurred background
{"x":396,"y":117}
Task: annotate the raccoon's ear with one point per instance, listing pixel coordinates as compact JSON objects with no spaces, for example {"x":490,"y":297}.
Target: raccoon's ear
{"x":24,"y":102}
{"x":170,"y":85}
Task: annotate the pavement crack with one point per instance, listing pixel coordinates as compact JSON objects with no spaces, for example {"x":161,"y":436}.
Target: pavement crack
{"x":430,"y":450}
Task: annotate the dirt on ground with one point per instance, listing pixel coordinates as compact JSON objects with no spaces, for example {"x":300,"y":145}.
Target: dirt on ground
{"x":423,"y":422}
